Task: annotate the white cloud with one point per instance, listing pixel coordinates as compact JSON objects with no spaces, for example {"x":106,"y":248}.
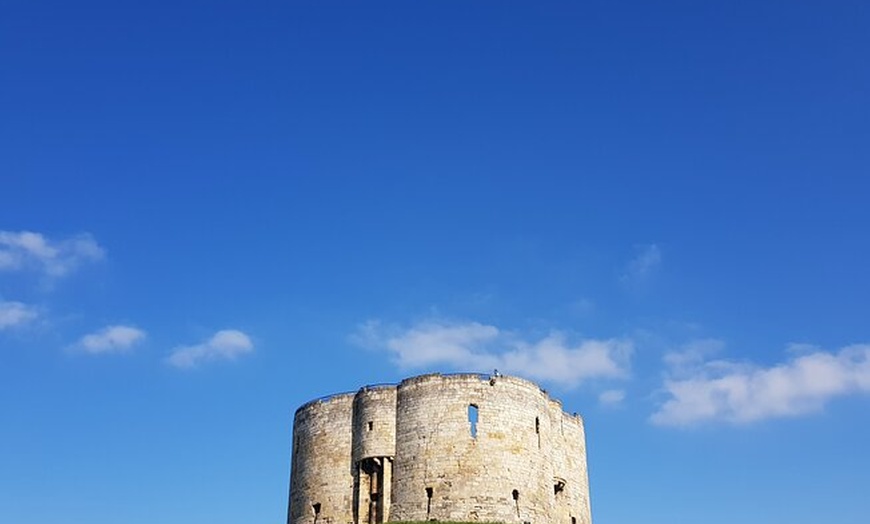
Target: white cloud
{"x":110,"y":339}
{"x":643,"y":265}
{"x":227,"y":344}
{"x":26,"y":250}
{"x":611,"y":397}
{"x":14,"y":314}
{"x":475,"y":346}
{"x":738,"y":393}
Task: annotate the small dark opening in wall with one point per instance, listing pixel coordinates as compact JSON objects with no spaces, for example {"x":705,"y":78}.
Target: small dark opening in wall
{"x":472,"y":419}
{"x":573,"y":520}
{"x":428,"y":502}
{"x":515,"y":494}
{"x":316,"y":508}
{"x":371,"y":425}
{"x":538,"y":430}
{"x":558,"y":487}
{"x":428,"y":493}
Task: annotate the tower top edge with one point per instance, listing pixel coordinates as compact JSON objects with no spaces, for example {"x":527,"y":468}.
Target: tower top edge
{"x":492,"y":378}
{"x":326,"y":399}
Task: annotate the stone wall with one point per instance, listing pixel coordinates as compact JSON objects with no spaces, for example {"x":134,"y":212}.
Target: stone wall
{"x":416,"y":452}
{"x":321,"y":479}
{"x":374,"y":422}
{"x":374,"y":447}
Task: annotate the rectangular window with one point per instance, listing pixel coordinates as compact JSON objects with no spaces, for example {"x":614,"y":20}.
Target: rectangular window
{"x":472,"y":420}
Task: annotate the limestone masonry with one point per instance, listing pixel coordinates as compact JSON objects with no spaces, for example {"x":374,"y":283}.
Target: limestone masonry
{"x":437,"y":447}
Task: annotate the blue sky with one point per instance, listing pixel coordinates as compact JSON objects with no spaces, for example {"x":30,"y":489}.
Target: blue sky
{"x":212,"y":212}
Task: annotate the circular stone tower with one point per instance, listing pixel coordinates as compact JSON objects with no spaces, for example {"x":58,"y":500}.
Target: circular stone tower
{"x":463,"y":447}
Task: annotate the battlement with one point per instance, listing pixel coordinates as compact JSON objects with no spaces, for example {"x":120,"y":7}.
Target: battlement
{"x":457,"y":447}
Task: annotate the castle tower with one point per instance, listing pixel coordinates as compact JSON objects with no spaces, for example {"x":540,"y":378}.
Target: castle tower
{"x":463,"y":447}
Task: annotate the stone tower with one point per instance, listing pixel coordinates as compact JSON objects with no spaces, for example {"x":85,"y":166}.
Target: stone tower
{"x":463,"y":447}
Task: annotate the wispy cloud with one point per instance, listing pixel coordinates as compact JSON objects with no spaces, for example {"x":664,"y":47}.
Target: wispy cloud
{"x":227,"y":344}
{"x":739,"y":393}
{"x":643,"y":265}
{"x":26,"y":250}
{"x":13,"y":314}
{"x":110,"y":339}
{"x":687,"y":359}
{"x":476,"y":346}
{"x":611,"y":397}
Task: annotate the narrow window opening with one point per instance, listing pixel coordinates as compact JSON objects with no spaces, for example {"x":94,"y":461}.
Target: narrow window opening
{"x":472,"y":419}
{"x":538,"y":430}
{"x":428,"y":502}
{"x":516,"y":495}
{"x":573,"y":520}
{"x":558,"y":487}
{"x":316,"y":509}
{"x":371,"y":425}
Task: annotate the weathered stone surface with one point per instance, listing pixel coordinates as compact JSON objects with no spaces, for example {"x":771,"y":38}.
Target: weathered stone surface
{"x":408,"y":453}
